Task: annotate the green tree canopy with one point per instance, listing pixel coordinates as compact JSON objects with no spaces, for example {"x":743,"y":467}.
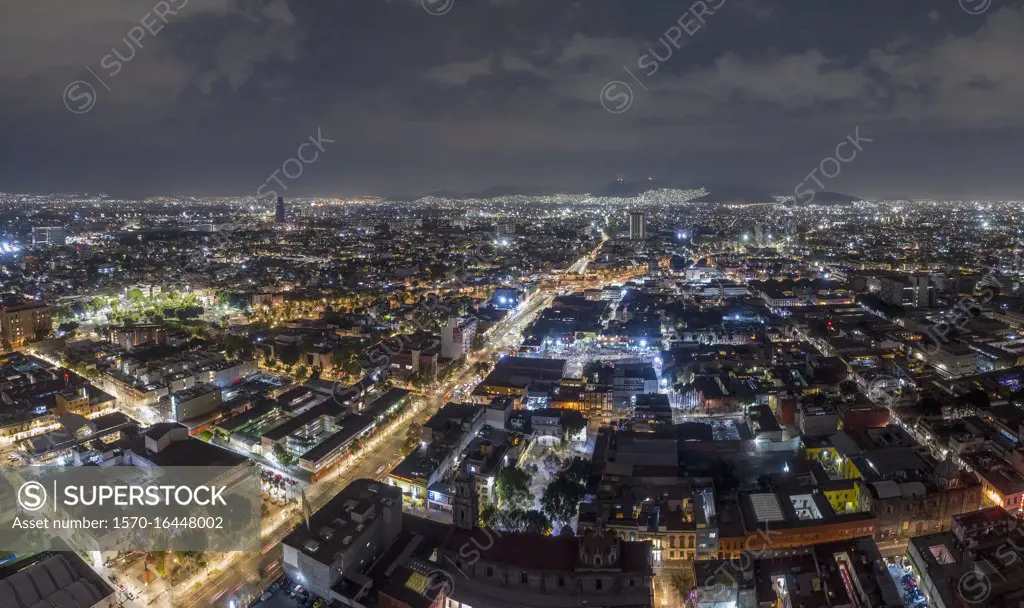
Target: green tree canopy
{"x":578,"y":470}
{"x":537,"y":522}
{"x":519,"y":520}
{"x":573,"y":422}
{"x":412,"y":438}
{"x":283,"y":455}
{"x":513,"y":488}
{"x":561,"y":499}
{"x":490,"y":517}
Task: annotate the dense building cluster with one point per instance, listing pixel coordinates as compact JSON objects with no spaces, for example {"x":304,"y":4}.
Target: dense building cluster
{"x":539,"y":401}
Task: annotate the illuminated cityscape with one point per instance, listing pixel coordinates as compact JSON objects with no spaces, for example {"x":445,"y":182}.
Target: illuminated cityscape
{"x":795,"y":378}
{"x":631,"y":380}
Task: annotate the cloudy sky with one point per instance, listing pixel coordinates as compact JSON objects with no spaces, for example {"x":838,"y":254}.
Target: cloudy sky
{"x":212,"y":96}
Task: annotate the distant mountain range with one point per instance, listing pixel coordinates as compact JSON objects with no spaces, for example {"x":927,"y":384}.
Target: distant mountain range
{"x":834,"y":198}
{"x":492,"y":192}
{"x":720,"y":193}
{"x":717,"y":193}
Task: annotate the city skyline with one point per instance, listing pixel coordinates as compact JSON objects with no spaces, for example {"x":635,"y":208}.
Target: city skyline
{"x":491,"y":380}
{"x":511,"y":303}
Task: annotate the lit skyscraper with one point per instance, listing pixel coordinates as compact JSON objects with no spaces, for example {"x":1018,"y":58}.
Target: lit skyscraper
{"x":637,"y":229}
{"x":280,"y":210}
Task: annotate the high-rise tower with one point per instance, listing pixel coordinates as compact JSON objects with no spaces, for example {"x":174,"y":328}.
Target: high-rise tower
{"x":637,"y":229}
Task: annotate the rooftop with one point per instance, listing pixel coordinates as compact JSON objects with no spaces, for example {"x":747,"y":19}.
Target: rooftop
{"x":339,"y":523}
{"x":60,"y":579}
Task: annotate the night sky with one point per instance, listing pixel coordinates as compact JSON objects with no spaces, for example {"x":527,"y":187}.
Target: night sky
{"x":509,"y":92}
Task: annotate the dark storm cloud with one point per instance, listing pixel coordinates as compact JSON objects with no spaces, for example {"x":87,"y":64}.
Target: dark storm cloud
{"x":508,"y":92}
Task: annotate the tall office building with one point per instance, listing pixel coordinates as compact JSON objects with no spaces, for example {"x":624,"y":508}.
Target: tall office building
{"x":502,"y":229}
{"x":457,"y":337}
{"x":637,"y":229}
{"x":53,"y":236}
{"x":914,"y":290}
{"x":280,"y":210}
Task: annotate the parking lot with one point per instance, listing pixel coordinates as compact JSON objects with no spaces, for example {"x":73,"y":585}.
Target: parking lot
{"x":906,"y":582}
{"x":286,"y":594}
{"x":279,"y":599}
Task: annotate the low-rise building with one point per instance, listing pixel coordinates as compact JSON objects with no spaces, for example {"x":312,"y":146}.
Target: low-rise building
{"x":23,"y":320}
{"x":133,"y":336}
{"x":360,"y":550}
{"x":651,"y":411}
{"x":512,"y":376}
{"x":1001,"y":481}
{"x":356,"y":424}
{"x":56,"y":579}
{"x":190,"y":403}
{"x":78,"y":441}
{"x":34,"y":395}
{"x":444,"y":437}
{"x":817,"y":419}
{"x":632,"y":379}
{"x":833,"y":574}
{"x":341,"y":539}
{"x":489,"y":452}
{"x":418,"y":356}
{"x":978,"y":561}
{"x":856,"y":417}
{"x":910,"y":491}
{"x":168,"y":444}
{"x":953,"y":359}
